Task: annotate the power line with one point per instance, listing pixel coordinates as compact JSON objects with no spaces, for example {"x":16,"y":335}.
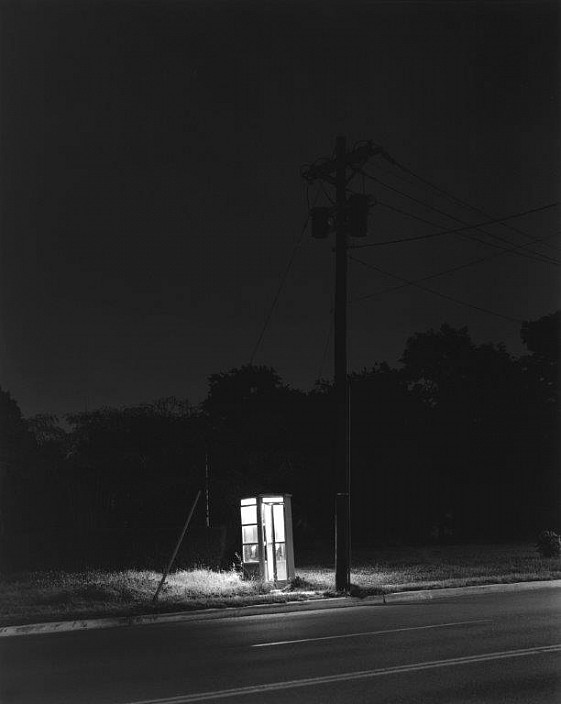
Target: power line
{"x":453,"y":230}
{"x":407,"y":195}
{"x":473,"y":262}
{"x":451,"y":196}
{"x":284,"y":276}
{"x":436,"y":293}
{"x":422,"y":203}
{"x":406,"y":213}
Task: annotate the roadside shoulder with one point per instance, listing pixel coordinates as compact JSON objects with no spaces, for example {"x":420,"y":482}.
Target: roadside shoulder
{"x":176,"y":616}
{"x":430,"y":594}
{"x":263,"y":609}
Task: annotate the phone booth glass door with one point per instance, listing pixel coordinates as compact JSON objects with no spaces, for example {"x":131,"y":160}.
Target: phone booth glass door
{"x":274,"y":541}
{"x":267,"y":548}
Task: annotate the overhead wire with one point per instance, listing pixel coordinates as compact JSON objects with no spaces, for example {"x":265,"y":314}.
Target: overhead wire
{"x":451,"y":270}
{"x":539,"y":255}
{"x":450,"y":196}
{"x":282,"y":281}
{"x":454,"y":230}
{"x":465,"y":227}
{"x":365,"y":174}
{"x":436,"y":293}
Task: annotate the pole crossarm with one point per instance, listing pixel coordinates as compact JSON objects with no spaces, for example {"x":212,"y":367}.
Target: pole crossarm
{"x":326,"y":170}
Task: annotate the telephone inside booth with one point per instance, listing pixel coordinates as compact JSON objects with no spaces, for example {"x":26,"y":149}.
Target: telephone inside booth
{"x":267,"y":544}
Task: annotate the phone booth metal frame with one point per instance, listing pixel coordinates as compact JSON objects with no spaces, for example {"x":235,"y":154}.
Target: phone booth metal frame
{"x":267,"y":541}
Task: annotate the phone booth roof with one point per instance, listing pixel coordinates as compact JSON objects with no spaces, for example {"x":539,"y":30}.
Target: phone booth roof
{"x":268,"y":498}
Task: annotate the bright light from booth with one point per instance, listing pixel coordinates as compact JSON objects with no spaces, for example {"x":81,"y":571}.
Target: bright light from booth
{"x":267,"y":550}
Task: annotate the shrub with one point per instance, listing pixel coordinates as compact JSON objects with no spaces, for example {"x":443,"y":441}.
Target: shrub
{"x":549,"y":544}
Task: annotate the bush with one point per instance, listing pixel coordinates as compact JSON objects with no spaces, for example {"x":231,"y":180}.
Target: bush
{"x":549,"y":544}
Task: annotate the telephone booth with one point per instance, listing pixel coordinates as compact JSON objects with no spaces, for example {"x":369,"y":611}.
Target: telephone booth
{"x":267,"y":546}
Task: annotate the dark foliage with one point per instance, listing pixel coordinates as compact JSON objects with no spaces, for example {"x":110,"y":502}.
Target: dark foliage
{"x":21,"y":486}
{"x":460,"y":442}
{"x":549,"y":544}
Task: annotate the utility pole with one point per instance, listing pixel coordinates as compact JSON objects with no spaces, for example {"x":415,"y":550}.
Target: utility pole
{"x":350,"y":218}
{"x":342,"y":459}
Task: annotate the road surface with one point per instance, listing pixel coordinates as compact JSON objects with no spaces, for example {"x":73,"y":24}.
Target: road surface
{"x":488,"y":648}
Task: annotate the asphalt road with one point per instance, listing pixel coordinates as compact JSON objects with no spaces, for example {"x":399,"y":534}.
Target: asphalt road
{"x":489,"y":648}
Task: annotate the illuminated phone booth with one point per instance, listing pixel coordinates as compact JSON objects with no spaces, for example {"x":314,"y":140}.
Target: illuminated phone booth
{"x":267,"y":546}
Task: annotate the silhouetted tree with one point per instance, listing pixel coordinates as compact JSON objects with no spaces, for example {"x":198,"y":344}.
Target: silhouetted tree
{"x":18,"y":480}
{"x":132,"y":463}
{"x":461,"y":437}
{"x":542,"y":337}
{"x":387,"y":442}
{"x":473,"y":395}
{"x":250,"y":417}
{"x":53,"y":446}
{"x":539,"y":434}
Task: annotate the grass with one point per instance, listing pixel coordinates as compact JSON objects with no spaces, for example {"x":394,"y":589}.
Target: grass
{"x":53,"y":596}
{"x":385,"y":570}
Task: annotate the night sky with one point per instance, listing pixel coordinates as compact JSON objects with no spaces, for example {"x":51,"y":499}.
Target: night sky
{"x":152,"y":196}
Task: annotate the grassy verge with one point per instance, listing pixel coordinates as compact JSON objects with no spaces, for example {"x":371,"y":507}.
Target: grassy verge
{"x":54,"y":596}
{"x":384,"y":570}
{"x":57,"y":596}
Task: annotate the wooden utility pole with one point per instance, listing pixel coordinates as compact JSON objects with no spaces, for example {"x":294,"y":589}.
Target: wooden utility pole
{"x":334,"y":171}
{"x":342,"y":463}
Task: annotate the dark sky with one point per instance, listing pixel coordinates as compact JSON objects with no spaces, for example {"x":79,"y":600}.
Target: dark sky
{"x":151,"y":188}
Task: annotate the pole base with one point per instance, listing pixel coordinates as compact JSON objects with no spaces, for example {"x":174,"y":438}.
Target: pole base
{"x":342,"y":543}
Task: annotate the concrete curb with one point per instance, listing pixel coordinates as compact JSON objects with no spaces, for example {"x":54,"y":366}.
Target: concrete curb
{"x":176,"y":616}
{"x":430,"y":594}
{"x":264,"y":609}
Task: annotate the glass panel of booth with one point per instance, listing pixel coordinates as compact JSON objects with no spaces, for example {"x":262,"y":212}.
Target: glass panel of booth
{"x":278,"y":521}
{"x":251,"y":553}
{"x":268,"y":539}
{"x":249,"y":530}
{"x":249,"y":534}
{"x":249,"y":515}
{"x":280,"y":556}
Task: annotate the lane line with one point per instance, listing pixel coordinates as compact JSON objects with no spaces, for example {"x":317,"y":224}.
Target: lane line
{"x":370,"y":633}
{"x":350,"y":676}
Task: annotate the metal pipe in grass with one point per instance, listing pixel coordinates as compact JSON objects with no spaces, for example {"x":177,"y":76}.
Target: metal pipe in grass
{"x":170,"y":563}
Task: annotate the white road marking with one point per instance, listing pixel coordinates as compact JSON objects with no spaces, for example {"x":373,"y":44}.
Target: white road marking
{"x":369,"y":633}
{"x":350,"y":676}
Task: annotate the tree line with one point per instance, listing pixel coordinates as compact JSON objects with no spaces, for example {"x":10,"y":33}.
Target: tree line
{"x":459,"y":442}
